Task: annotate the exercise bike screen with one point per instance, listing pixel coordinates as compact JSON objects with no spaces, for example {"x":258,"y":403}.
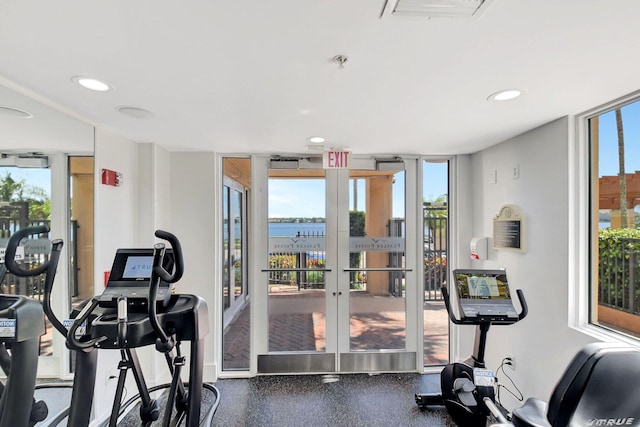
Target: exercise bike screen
{"x":482,"y":286}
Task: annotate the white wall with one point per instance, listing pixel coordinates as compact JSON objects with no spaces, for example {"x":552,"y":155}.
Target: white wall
{"x":116,"y":225}
{"x":193,"y":199}
{"x":542,"y":343}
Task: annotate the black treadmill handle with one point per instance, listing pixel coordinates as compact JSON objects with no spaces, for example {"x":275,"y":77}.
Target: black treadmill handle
{"x":12,"y":247}
{"x":178,"y":260}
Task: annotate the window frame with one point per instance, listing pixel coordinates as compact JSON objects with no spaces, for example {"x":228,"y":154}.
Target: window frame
{"x":583,"y":168}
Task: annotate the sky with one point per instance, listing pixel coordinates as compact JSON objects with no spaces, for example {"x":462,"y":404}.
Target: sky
{"x":35,"y":177}
{"x":305,"y":198}
{"x":609,"y":141}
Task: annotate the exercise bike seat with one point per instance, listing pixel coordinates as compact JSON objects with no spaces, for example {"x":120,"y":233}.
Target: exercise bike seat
{"x":600,"y":383}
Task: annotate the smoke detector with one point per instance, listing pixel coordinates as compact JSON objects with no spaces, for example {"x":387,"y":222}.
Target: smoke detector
{"x":435,"y":8}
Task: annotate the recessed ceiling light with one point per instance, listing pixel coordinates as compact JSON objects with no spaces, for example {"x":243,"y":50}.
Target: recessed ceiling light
{"x":316,"y":139}
{"x":92,"y":84}
{"x":505,"y":95}
{"x":135,"y":112}
{"x":5,"y":110}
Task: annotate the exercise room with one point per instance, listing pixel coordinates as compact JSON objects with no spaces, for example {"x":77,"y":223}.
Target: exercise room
{"x":365,"y":213}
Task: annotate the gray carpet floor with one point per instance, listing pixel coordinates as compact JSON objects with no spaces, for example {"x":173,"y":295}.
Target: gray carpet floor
{"x":313,"y":400}
{"x":316,"y":400}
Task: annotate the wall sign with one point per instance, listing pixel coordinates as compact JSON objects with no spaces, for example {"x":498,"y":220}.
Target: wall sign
{"x":508,"y":229}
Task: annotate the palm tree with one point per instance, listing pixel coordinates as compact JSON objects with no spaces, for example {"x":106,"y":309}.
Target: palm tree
{"x":622,"y":175}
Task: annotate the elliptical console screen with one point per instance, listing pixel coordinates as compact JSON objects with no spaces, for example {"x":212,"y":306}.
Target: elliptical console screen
{"x":130,"y":277}
{"x":138,"y":268}
{"x":132,"y":267}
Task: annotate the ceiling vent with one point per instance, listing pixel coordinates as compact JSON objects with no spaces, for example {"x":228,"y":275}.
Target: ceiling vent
{"x":435,"y":8}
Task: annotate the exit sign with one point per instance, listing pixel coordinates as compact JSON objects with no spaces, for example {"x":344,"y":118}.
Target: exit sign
{"x":336,"y":160}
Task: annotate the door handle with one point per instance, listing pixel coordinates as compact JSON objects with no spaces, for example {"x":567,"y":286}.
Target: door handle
{"x":378,"y":269}
{"x":268,"y":270}
{"x":337,"y":293}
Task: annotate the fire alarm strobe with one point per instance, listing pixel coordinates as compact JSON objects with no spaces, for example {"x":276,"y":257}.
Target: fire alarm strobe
{"x":110,"y":177}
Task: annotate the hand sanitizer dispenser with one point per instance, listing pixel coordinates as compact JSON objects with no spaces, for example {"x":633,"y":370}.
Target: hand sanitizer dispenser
{"x":479,"y":248}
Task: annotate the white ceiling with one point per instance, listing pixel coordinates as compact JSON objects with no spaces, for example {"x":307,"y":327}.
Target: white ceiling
{"x":257,"y":76}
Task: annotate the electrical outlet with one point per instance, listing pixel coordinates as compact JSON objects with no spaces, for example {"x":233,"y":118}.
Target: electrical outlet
{"x":510,"y":361}
{"x":515,"y":173}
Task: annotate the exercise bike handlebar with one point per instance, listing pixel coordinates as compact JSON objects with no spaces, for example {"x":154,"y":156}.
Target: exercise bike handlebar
{"x":523,"y":304}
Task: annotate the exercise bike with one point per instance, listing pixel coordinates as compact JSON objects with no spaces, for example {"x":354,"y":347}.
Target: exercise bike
{"x":483,"y":299}
{"x":598,"y":388}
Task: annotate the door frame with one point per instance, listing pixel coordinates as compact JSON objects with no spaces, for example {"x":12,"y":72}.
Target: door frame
{"x":236,"y":303}
{"x":337,"y":358}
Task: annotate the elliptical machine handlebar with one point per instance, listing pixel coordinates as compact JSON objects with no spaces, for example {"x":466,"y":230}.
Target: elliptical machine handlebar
{"x":523,"y":304}
{"x":164,"y":343}
{"x":50,"y":268}
{"x":74,"y":343}
{"x":12,"y":247}
{"x":159,"y":270}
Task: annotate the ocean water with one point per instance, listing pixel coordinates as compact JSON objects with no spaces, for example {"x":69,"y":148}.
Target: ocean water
{"x":295,"y":228}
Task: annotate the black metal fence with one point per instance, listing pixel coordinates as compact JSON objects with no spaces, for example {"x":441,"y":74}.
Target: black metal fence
{"x":619,"y":274}
{"x":288,"y":268}
{"x":435,"y":249}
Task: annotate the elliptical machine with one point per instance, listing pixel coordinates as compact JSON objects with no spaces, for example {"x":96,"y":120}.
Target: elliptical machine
{"x":484,"y":299}
{"x":22,"y":320}
{"x":139,"y":309}
{"x":136,"y":309}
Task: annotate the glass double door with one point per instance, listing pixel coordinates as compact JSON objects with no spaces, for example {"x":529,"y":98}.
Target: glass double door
{"x":336,"y":274}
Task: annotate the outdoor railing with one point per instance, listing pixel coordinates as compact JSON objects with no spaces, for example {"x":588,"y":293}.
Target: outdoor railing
{"x":619,"y":274}
{"x":293,"y":268}
{"x":435,"y":250}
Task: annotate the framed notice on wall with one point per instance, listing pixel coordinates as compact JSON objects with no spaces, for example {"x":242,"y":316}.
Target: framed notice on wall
{"x":508,"y":229}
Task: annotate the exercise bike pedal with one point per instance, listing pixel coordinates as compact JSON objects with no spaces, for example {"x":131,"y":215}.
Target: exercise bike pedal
{"x":429,"y":399}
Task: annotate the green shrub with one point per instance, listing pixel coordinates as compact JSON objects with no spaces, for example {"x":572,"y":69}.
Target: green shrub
{"x":619,"y":258}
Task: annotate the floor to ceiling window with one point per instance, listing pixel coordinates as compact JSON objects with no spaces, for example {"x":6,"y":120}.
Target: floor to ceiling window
{"x":235,"y":283}
{"x":614,"y":140}
{"x":435,"y":214}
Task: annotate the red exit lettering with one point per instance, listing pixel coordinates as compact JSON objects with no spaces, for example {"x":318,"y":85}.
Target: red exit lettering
{"x":337,"y":160}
